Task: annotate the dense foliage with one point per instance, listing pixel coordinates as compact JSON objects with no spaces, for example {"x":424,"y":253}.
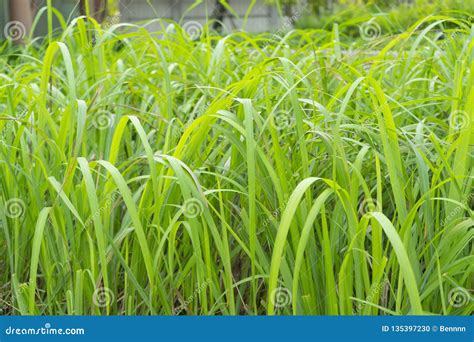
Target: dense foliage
{"x":166,"y":173}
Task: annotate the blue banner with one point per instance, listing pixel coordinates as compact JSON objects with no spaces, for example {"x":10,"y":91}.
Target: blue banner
{"x":210,"y":329}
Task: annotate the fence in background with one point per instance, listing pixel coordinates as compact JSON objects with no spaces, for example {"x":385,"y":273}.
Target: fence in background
{"x":262,"y":17}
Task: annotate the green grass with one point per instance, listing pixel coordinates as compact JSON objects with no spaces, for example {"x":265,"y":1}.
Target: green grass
{"x":156,"y":174}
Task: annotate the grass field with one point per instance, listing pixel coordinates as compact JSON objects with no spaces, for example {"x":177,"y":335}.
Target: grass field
{"x":171,"y":173}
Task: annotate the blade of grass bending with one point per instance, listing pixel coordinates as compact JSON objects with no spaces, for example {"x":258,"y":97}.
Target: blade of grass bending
{"x":403,"y":261}
{"x":96,"y":220}
{"x":388,"y":132}
{"x":281,"y":237}
{"x":252,"y":184}
{"x":35,"y":251}
{"x":313,"y":213}
{"x":128,"y":199}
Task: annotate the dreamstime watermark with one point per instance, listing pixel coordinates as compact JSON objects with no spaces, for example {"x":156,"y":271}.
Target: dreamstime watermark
{"x":448,"y":37}
{"x":103,"y":120}
{"x":102,"y":297}
{"x":459,"y":120}
{"x":453,"y":213}
{"x":107,"y":205}
{"x":201,"y":287}
{"x":46,"y":330}
{"x":374,"y":292}
{"x":108,"y":22}
{"x":369,"y":205}
{"x":282,"y":120}
{"x":111,"y":21}
{"x":193,"y":30}
{"x":370,"y":30}
{"x":281,"y":297}
{"x":287,"y":24}
{"x":192,"y":208}
{"x":9,"y":128}
{"x":178,"y":128}
{"x":274,"y":214}
{"x":14,"y":208}
{"x":459,"y":297}
{"x":14,"y":30}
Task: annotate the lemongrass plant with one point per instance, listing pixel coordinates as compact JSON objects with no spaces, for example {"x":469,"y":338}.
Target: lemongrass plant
{"x":163,"y":173}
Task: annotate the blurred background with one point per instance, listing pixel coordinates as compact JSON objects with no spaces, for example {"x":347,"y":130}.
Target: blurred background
{"x":231,"y":15}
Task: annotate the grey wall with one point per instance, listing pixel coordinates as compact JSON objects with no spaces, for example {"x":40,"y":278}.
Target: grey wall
{"x":68,"y":8}
{"x":261,"y":18}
